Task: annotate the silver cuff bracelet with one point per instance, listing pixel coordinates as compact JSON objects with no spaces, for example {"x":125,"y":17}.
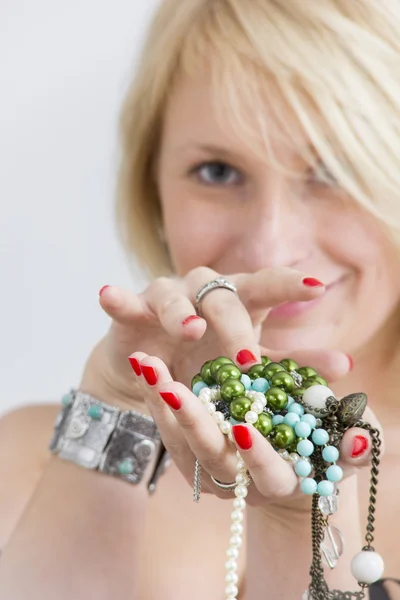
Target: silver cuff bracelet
{"x":97,"y":436}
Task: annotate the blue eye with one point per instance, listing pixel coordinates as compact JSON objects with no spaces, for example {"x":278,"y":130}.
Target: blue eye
{"x":217,"y":173}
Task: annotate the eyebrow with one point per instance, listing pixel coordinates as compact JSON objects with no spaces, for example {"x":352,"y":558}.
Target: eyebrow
{"x":209,"y":148}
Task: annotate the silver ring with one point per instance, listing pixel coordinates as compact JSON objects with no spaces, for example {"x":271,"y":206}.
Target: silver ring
{"x":230,"y":487}
{"x":219,"y":282}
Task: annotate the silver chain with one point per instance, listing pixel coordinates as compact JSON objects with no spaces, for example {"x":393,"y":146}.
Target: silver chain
{"x":197,"y":482}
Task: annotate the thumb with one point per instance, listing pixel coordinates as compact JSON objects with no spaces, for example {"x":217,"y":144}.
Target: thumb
{"x":356,"y":445}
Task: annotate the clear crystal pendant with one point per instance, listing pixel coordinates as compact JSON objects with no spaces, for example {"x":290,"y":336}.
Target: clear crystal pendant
{"x":332,"y":546}
{"x":328,"y":505}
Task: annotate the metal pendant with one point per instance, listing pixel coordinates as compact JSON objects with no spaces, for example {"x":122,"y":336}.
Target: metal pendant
{"x":351,"y":409}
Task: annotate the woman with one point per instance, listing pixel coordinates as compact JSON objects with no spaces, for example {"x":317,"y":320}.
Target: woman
{"x":260,"y":141}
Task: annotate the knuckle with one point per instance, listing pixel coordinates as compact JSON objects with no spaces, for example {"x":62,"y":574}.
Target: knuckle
{"x":170,"y":303}
{"x":202,"y":274}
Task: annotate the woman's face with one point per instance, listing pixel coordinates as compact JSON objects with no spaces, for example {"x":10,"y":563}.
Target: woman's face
{"x":224,"y":208}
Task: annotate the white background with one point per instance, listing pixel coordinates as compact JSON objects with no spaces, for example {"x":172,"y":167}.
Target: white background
{"x":64,"y":67}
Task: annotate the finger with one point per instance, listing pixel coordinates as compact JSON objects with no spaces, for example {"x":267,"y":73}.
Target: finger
{"x":356,"y":445}
{"x":124,"y":306}
{"x":166,"y":299}
{"x":135,"y":361}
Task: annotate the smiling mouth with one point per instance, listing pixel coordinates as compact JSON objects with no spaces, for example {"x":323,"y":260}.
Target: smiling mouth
{"x":293,"y":309}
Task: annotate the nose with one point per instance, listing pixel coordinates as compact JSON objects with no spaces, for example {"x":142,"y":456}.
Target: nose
{"x":279,"y":229}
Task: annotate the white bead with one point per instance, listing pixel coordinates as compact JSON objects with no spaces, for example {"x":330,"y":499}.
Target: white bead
{"x":232,"y":553}
{"x":251,"y":394}
{"x":251,"y":417}
{"x":231,"y":577}
{"x":240,"y":491}
{"x":226,"y":427}
{"x":236,"y":529}
{"x":237,"y":515}
{"x":367,"y":567}
{"x":230,"y":436}
{"x":240,"y":466}
{"x":238,"y":454}
{"x":239,"y":503}
{"x":257,"y":407}
{"x":231,"y":591}
{"x":231,"y":565}
{"x":241,"y":479}
{"x":284,"y":454}
{"x":294,"y":457}
{"x":211,"y":408}
{"x":215,"y":395}
{"x":236,"y":541}
{"x":316,"y":396}
{"x":205,"y":393}
{"x":205,"y":400}
{"x":218,"y":417}
{"x":259,"y":397}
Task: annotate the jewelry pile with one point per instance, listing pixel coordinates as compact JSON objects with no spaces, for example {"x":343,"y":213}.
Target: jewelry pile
{"x":294,"y":409}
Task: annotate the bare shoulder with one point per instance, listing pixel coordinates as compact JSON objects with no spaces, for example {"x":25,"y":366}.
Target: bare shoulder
{"x":24,"y":437}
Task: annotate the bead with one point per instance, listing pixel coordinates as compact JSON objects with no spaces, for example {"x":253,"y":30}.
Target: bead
{"x":290,"y":401}
{"x":125,"y":467}
{"x":317,"y":379}
{"x":308,"y":486}
{"x":237,"y":515}
{"x":283,"y":380}
{"x":236,"y":528}
{"x":257,"y":407}
{"x":302,"y":429}
{"x":218,"y":362}
{"x":232,"y":577}
{"x":283,"y":454}
{"x":95,"y":412}
{"x":218,"y":417}
{"x":330,"y":454}
{"x":289,"y":364}
{"x":332,"y":546}
{"x":277,"y":419}
{"x":245,"y":379}
{"x":251,"y":394}
{"x":276,"y":398}
{"x":317,"y":395}
{"x":305,"y":448}
{"x":231,"y":565}
{"x":291,"y":419}
{"x":255,"y":372}
{"x":239,"y":504}
{"x":310,"y":419}
{"x":231,"y":389}
{"x":251,"y":417}
{"x":236,"y":541}
{"x":241,"y":479}
{"x":307,"y":383}
{"x":320,"y":437}
{"x":230,"y":437}
{"x":265,"y":360}
{"x":328,"y":505}
{"x":205,"y":395}
{"x":66,"y":400}
{"x":231,"y":591}
{"x":259,"y":397}
{"x":205,"y":373}
{"x":325,"y":488}
{"x":351,"y":408}
{"x":302,"y":468}
{"x":334,"y":473}
{"x":294,"y":457}
{"x":211,"y":408}
{"x":232,"y":553}
{"x":283,"y":436}
{"x":260,"y":385}
{"x":298,"y":392}
{"x":297,"y":409}
{"x":239,"y":407}
{"x":264,"y":424}
{"x":240,"y":465}
{"x":196,"y":379}
{"x":306,"y":372}
{"x":367,"y":567}
{"x":240,"y":491}
{"x":225,"y":427}
{"x":226,"y":372}
{"x":271,"y":369}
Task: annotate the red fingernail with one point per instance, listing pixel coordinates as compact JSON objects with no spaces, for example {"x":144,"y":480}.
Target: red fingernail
{"x":351,"y":361}
{"x":242,"y":435}
{"x":360,"y":446}
{"x":135,"y":364}
{"x":311,"y":282}
{"x":190,"y":319}
{"x":150,"y":374}
{"x":245,"y":356}
{"x":102,"y":289}
{"x":171,"y":399}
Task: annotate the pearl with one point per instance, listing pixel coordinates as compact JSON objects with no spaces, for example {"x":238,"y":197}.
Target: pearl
{"x":236,"y":541}
{"x":218,"y":417}
{"x":240,"y":491}
{"x":198,"y":387}
{"x":237,"y":528}
{"x":284,"y":436}
{"x":367,"y":567}
{"x":231,"y":578}
{"x":225,"y":427}
{"x":239,"y":407}
{"x":232,"y":553}
{"x":231,"y":565}
{"x":283,"y":454}
{"x":257,"y":407}
{"x":231,"y":591}
{"x":241,"y":479}
{"x":231,"y":388}
{"x":240,"y":464}
{"x":251,"y":394}
{"x":264,"y":424}
{"x":211,"y":408}
{"x":237,"y":515}
{"x":227,"y":371}
{"x":239,"y":503}
{"x":251,"y":417}
{"x":294,"y":457}
{"x":258,"y":397}
{"x":230,"y":436}
{"x":317,"y":395}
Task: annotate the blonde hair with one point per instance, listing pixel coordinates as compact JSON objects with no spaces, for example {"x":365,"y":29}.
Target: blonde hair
{"x":335,"y":63}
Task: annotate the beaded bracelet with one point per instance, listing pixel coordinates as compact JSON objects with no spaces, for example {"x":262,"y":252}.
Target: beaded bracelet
{"x":294,"y":409}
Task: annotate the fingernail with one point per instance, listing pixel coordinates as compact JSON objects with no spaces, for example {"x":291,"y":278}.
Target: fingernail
{"x":242,"y":435}
{"x":150,"y":374}
{"x":351,"y":361}
{"x":135,"y":364}
{"x":245,"y":356}
{"x":103,"y":288}
{"x":360,"y":446}
{"x":190,"y":319}
{"x":311,"y":282}
{"x":171,"y":399}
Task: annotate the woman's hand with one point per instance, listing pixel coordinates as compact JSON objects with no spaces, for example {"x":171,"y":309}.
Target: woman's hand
{"x":162,"y":321}
{"x":189,"y":431}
